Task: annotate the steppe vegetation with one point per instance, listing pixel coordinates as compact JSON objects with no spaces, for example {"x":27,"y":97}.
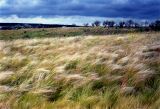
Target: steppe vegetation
{"x":61,"y":32}
{"x":84,"y":72}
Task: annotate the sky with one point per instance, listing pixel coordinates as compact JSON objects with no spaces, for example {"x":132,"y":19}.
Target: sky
{"x":77,"y":11}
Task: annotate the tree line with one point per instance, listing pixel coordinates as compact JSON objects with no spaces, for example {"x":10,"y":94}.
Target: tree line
{"x":126,"y":24}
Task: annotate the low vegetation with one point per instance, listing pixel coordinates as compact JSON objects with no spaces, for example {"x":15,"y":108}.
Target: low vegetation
{"x":60,"y":32}
{"x":93,"y":72}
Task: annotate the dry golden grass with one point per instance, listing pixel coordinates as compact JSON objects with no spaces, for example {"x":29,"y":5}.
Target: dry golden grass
{"x":93,"y":72}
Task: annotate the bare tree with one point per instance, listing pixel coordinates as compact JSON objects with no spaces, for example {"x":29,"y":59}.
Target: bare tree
{"x":121,"y":24}
{"x":96,"y":23}
{"x":155,"y":25}
{"x":105,"y":23}
{"x":111,"y":23}
{"x":130,"y":23}
{"x":108,"y":23}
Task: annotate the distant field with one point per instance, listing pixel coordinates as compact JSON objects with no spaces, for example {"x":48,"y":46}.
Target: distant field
{"x":95,"y":72}
{"x":60,"y":32}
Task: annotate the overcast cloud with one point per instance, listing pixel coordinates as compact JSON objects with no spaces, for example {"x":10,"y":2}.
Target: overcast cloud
{"x":70,"y":11}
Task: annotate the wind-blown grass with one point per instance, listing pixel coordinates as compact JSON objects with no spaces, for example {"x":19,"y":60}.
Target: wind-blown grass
{"x":93,"y":72}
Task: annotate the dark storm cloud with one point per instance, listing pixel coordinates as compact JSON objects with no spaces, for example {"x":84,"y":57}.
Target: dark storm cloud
{"x":139,"y":9}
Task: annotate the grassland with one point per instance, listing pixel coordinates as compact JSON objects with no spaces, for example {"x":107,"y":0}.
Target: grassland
{"x":60,"y":32}
{"x":84,"y":72}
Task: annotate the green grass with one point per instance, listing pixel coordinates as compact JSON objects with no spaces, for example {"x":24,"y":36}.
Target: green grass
{"x":59,"y":32}
{"x":28,"y":101}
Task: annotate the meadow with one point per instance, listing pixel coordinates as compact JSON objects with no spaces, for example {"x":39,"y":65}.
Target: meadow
{"x":79,"y":69}
{"x":61,"y":32}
